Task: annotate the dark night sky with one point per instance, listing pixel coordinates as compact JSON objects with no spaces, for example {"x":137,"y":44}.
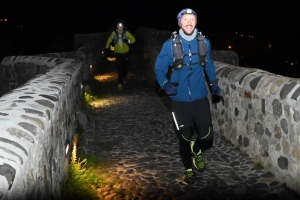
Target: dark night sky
{"x":252,"y":10}
{"x":276,"y":22}
{"x":248,"y":15}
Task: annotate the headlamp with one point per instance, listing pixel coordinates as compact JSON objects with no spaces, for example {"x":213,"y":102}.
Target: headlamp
{"x":189,"y":11}
{"x":185,"y":11}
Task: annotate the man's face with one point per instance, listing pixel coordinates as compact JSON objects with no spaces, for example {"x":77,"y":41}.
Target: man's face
{"x":120,"y":28}
{"x":188,"y":23}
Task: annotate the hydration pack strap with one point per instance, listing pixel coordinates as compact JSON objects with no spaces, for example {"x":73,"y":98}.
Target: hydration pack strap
{"x":179,"y":54}
{"x":190,"y":64}
{"x":202,"y":49}
{"x":177,"y":51}
{"x":116,"y":38}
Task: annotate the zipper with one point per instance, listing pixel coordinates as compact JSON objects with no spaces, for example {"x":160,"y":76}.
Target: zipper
{"x":191,"y":71}
{"x":190,"y":53}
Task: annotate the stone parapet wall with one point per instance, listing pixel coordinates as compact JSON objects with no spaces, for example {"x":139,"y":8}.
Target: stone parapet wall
{"x":225,"y":56}
{"x":37,"y":123}
{"x":260,"y":113}
{"x":93,"y":46}
{"x":152,"y":43}
{"x":80,"y":54}
{"x":16,"y":70}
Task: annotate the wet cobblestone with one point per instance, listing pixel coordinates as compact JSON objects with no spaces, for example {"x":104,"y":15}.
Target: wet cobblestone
{"x":143,"y":160}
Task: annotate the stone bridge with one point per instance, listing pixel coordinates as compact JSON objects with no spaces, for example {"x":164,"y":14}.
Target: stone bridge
{"x":41,"y":97}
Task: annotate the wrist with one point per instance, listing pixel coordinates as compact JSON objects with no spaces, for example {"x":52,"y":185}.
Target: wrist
{"x":165,"y":84}
{"x":214,"y":82}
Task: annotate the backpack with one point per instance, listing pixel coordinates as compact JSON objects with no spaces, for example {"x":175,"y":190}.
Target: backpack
{"x":179,"y":55}
{"x":116,"y":38}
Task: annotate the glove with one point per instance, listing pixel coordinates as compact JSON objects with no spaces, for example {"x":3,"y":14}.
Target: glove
{"x":126,"y":41}
{"x":215,"y":89}
{"x":170,"y":88}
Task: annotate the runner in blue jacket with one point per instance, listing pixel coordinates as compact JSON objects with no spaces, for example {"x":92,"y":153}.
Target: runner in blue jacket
{"x":188,"y":92}
{"x":191,"y":78}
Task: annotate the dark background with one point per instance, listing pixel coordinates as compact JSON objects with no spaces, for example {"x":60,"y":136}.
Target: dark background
{"x":35,"y":27}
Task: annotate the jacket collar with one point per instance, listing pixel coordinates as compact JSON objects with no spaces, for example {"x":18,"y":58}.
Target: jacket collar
{"x":188,"y":37}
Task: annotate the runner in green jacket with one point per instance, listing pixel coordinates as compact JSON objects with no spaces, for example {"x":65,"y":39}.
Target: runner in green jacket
{"x":121,"y":38}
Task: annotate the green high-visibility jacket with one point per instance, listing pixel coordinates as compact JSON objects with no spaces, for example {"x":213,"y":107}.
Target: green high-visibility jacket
{"x":120,"y":46}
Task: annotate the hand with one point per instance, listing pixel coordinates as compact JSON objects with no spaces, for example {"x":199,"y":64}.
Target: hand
{"x":126,"y":41}
{"x":170,"y":88}
{"x":215,"y":89}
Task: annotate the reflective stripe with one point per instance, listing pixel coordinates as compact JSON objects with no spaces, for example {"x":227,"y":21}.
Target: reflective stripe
{"x":185,"y":138}
{"x":175,"y":120}
{"x":207,"y":133}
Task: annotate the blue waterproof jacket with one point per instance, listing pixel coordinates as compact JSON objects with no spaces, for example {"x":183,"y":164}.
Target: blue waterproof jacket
{"x":191,"y":79}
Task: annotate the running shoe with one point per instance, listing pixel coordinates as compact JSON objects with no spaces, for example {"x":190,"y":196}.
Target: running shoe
{"x":188,"y":177}
{"x":198,"y":159}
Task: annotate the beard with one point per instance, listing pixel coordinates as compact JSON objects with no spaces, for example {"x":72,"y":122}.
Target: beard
{"x":188,"y":33}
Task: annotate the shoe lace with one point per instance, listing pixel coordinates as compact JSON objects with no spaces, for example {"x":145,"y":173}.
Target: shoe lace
{"x":199,"y":158}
